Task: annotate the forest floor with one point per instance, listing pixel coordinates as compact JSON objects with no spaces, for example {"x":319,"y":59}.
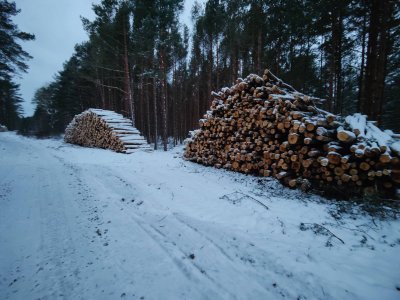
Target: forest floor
{"x":79,"y":223}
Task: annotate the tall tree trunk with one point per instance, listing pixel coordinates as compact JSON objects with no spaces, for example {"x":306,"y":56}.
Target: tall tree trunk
{"x":259,"y":49}
{"x":164,"y":101}
{"x":100,"y":88}
{"x":375,"y":73}
{"x":361,"y":86}
{"x":217,"y":62}
{"x":174,"y":105}
{"x":141,"y":100}
{"x":129,"y":106}
{"x":148,"y":112}
{"x":338,"y":53}
{"x":197,"y":106}
{"x":388,"y":7}
{"x":210,"y":58}
{"x":155,"y":112}
{"x":234,"y":63}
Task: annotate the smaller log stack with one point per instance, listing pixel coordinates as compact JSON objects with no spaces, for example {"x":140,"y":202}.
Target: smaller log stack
{"x":105,"y":129}
{"x":263,"y":126}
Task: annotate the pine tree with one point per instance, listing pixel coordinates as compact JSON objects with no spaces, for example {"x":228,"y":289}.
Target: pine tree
{"x":372,"y":101}
{"x":12,"y":62}
{"x":391,"y":109}
{"x":10,"y":104}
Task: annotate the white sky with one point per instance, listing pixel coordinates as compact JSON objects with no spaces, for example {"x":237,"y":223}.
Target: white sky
{"x":57,"y":27}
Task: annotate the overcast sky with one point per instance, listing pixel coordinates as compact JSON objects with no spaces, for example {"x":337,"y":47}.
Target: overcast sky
{"x":57,"y":27}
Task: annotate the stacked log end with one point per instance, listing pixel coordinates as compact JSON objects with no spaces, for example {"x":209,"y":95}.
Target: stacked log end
{"x":104,"y":129}
{"x":263,"y":126}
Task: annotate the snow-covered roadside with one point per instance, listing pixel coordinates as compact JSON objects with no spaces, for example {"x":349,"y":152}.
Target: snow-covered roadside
{"x":81,"y":223}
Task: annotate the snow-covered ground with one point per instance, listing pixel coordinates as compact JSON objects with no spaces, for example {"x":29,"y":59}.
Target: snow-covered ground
{"x":79,"y":223}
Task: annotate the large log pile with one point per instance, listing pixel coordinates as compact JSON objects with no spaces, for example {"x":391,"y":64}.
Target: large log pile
{"x":264,"y":126}
{"x":104,"y":129}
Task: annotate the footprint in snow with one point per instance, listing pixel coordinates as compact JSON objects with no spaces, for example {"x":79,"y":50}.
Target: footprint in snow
{"x":12,"y":282}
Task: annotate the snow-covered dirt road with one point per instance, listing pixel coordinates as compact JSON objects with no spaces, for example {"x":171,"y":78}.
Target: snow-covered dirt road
{"x":79,"y":223}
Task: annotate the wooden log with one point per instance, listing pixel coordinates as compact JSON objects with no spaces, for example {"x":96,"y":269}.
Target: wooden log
{"x":293,"y":138}
{"x":345,"y":135}
{"x":334,"y":158}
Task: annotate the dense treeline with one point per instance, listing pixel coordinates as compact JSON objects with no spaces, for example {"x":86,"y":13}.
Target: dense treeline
{"x":12,"y":62}
{"x":140,"y":61}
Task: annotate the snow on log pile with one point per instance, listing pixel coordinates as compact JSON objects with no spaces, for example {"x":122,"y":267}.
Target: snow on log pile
{"x":104,"y":129}
{"x":264,"y":126}
{"x":3,"y":128}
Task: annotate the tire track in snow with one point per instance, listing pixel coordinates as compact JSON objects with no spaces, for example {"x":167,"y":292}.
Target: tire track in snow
{"x":176,"y":250}
{"x":265,"y":266}
{"x":192,"y":271}
{"x":203,"y":235}
{"x":176,"y":258}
